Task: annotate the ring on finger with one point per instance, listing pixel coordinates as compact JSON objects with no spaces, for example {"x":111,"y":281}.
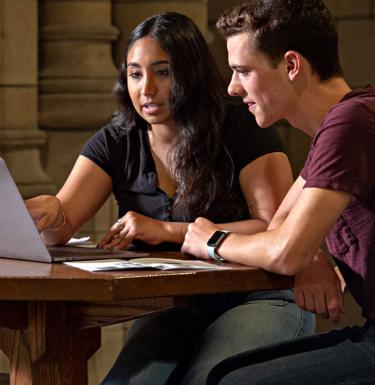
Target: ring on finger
{"x":119,"y":224}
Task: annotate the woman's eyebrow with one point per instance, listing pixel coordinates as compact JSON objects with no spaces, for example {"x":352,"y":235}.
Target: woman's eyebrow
{"x":155,"y":63}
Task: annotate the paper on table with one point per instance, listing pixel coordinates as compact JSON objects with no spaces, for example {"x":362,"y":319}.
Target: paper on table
{"x":145,"y":263}
{"x":77,"y":241}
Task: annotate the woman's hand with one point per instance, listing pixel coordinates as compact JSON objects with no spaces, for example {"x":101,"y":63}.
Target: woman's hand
{"x":46,"y":211}
{"x":133,"y":226}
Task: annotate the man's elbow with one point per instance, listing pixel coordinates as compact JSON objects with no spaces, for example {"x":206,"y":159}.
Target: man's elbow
{"x":287,"y":261}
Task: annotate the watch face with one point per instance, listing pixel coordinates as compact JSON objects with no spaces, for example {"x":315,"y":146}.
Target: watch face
{"x":216,"y":237}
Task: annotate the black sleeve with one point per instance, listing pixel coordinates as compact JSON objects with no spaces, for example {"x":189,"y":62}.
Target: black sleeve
{"x":101,"y":148}
{"x":246,"y":141}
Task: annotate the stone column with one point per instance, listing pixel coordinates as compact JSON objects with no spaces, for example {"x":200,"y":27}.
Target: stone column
{"x":128,"y":13}
{"x":20,"y":138}
{"x":76,"y":75}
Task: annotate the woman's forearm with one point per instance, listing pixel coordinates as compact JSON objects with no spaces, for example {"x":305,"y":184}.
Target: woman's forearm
{"x":59,"y":234}
{"x":249,"y":226}
{"x":174,"y":231}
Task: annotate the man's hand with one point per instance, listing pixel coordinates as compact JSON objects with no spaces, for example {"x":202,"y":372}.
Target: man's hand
{"x":196,"y":238}
{"x":318,"y":289}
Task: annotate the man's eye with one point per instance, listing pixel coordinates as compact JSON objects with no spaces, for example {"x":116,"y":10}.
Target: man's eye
{"x":135,"y":75}
{"x":243,"y":72}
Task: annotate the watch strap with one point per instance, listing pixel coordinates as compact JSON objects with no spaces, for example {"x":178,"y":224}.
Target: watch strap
{"x":211,"y":249}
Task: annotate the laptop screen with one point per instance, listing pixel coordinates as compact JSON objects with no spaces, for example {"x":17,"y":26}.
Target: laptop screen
{"x":19,"y":237}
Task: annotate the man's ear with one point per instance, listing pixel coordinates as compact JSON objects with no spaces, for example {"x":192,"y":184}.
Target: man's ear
{"x":293,"y":62}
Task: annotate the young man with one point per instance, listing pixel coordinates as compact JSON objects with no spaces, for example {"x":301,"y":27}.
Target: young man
{"x":285,"y":64}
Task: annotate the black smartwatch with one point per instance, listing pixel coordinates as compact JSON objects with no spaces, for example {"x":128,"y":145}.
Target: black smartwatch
{"x":214,"y":242}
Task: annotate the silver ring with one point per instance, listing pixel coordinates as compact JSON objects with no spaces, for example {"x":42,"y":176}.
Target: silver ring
{"x":118,"y":223}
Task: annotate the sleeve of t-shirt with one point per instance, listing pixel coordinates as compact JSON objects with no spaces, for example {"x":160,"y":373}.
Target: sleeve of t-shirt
{"x":341,"y":157}
{"x":247,"y":141}
{"x":98,"y":149}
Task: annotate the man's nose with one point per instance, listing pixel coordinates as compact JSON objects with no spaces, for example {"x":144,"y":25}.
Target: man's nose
{"x":234,"y":87}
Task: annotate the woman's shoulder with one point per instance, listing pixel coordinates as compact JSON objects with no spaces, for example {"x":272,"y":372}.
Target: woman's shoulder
{"x":113,"y":145}
{"x":114,"y":136}
{"x":116,"y":131}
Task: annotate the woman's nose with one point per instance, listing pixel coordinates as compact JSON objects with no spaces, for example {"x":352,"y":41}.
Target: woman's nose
{"x":149,"y":86}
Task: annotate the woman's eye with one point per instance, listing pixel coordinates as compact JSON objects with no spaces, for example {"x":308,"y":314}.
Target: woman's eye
{"x":163,"y":73}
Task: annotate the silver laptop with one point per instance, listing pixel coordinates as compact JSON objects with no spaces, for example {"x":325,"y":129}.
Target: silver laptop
{"x":20,"y":239}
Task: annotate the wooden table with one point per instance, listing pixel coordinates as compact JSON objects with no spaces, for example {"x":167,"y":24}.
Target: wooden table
{"x":51,"y":314}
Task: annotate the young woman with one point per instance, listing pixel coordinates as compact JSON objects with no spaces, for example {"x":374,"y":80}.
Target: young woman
{"x":176,"y":150}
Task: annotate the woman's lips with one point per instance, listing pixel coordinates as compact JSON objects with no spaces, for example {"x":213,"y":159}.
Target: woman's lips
{"x":151,"y":108}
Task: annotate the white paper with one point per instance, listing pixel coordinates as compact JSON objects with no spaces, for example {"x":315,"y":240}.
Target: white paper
{"x":145,"y":263}
{"x":77,"y":241}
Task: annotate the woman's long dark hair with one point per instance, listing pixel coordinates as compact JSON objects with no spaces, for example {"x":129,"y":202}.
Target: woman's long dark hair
{"x":203,"y":167}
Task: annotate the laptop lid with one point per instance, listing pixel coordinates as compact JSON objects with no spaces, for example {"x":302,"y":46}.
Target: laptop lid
{"x":20,"y":239}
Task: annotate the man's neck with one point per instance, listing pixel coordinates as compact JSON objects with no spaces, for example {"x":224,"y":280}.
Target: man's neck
{"x":315,"y":101}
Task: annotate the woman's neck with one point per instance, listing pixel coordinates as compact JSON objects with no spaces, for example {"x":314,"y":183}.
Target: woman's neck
{"x":162,"y":138}
{"x":162,"y":135}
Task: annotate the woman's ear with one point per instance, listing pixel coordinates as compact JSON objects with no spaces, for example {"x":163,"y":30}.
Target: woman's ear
{"x":293,"y":64}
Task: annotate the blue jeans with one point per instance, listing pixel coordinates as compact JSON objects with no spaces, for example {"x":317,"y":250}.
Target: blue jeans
{"x":183,"y":345}
{"x":340,"y":357}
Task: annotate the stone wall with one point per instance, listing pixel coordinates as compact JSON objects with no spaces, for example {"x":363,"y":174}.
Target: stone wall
{"x":356,"y":28}
{"x":20,"y":137}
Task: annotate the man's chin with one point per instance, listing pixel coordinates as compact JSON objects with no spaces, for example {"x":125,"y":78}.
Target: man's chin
{"x":261,"y":122}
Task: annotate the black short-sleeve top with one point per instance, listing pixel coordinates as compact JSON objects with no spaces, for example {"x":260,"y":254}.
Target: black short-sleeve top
{"x":125,"y":155}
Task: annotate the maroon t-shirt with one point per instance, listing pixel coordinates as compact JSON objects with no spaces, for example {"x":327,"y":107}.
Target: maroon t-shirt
{"x":342,"y":157}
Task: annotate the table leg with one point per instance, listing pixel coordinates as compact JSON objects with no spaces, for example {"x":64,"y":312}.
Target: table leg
{"x":47,"y":352}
